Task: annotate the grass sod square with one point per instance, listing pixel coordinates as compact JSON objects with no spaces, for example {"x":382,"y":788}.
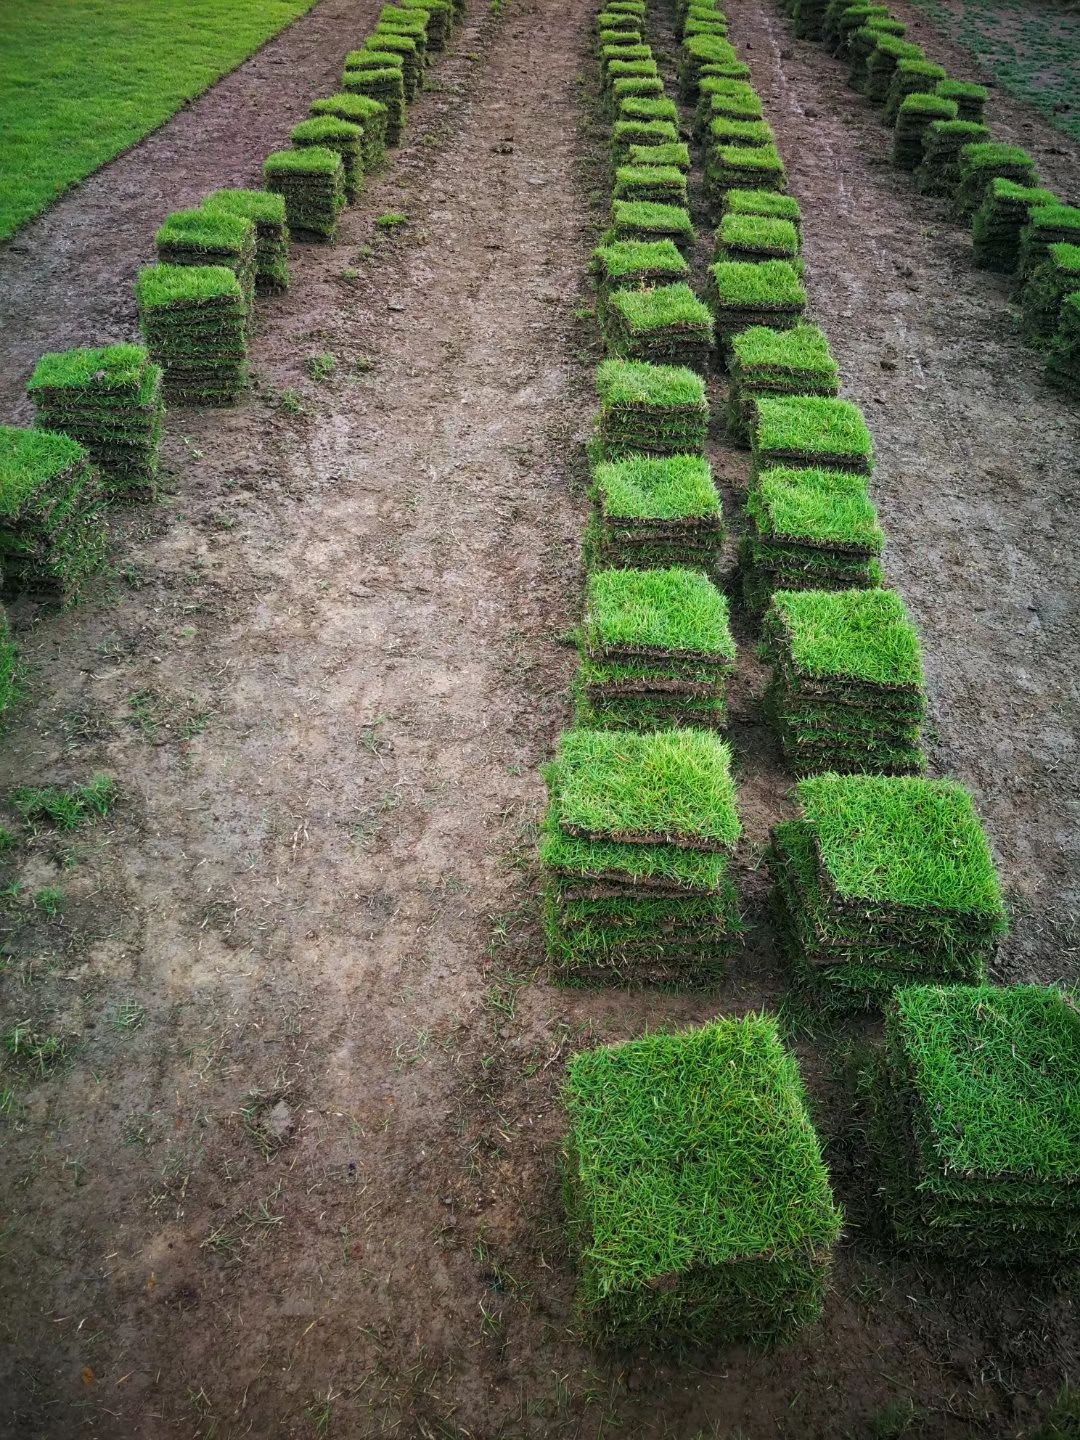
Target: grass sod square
{"x":109,"y":400}
{"x":816,"y":431}
{"x":652,"y":513}
{"x":364,"y":111}
{"x":211,"y":237}
{"x":745,"y":238}
{"x":194,"y":321}
{"x":1046,"y":290}
{"x":407,"y":60}
{"x":997,"y":225}
{"x":696,"y":51}
{"x":52,"y":528}
{"x":979,"y":164}
{"x":655,"y":184}
{"x":943,"y":140}
{"x":341,"y":136}
{"x":1063,"y":354}
{"x":910,"y":77}
{"x":631,"y":70}
{"x":863,"y":41}
{"x":725,"y":131}
{"x":266,"y":212}
{"x":668,"y":325}
{"x":657,"y":615}
{"x":676,"y":154}
{"x":312,"y":182}
{"x":627,"y":133}
{"x":742,"y":294}
{"x":1047,"y":225}
{"x":881,"y":65}
{"x":650,"y":409}
{"x":975,"y":1113}
{"x":638,"y":107}
{"x":635,"y":264}
{"x":388,"y":88}
{"x":970,"y":99}
{"x":621,"y":51}
{"x":649,"y":220}
{"x":618,"y":37}
{"x":916,"y":114}
{"x":697,"y":1197}
{"x":847,"y":691}
{"x":763,"y":360}
{"x":808,"y":529}
{"x":746,"y":167}
{"x":725,"y":102}
{"x":629,"y":23}
{"x":768,"y":203}
{"x":635,"y":87}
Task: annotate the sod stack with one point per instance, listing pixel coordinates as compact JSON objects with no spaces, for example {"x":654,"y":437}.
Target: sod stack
{"x":754,"y":238}
{"x":1047,"y":225}
{"x":656,"y":651}
{"x":267,"y":213}
{"x":385,"y":86}
{"x":312,"y":182}
{"x":650,"y":410}
{"x":939,"y":171}
{"x":970,"y":99}
{"x":653,"y":512}
{"x":650,"y":221}
{"x":742,"y":294}
{"x":847,"y":692}
{"x":52,"y":530}
{"x":863,"y":41}
{"x":768,"y":204}
{"x":212,"y":237}
{"x":660,"y":184}
{"x":194,"y":321}
{"x":999,"y":222}
{"x":884,"y":881}
{"x":340,"y":136}
{"x":808,"y":530}
{"x":741,"y":167}
{"x":916,"y":114}
{"x":815,"y":431}
{"x":668,"y":325}
{"x":881,"y":66}
{"x":696,"y":1193}
{"x":766,"y":361}
{"x":625,"y":134}
{"x":975,"y":1122}
{"x":636,"y":853}
{"x":911,"y":77}
{"x":1063,"y":356}
{"x":1046,"y":291}
{"x":109,"y":400}
{"x":982,"y":163}
{"x":635,"y":265}
{"x":360,"y":110}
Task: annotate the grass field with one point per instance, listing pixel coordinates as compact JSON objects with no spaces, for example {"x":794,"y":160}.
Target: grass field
{"x":83,"y":80}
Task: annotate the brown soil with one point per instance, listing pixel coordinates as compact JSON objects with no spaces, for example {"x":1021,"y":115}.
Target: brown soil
{"x":315,"y":1191}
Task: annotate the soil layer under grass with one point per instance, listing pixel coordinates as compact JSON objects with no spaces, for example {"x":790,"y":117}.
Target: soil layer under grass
{"x":298,"y":1173}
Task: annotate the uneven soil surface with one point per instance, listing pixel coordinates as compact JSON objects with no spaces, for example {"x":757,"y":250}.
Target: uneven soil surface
{"x":299,"y":1174}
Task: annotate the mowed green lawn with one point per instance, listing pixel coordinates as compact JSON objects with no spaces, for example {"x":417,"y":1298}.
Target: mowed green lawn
{"x":83,"y":80}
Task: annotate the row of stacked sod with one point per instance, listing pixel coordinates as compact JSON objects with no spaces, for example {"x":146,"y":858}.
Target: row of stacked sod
{"x":975,"y":1121}
{"x":194,"y":320}
{"x":665,"y":325}
{"x":656,"y":651}
{"x":655,"y":511}
{"x":884,"y":881}
{"x":52,"y":528}
{"x":699,"y":1203}
{"x":808,"y":529}
{"x":767,"y":361}
{"x":109,"y":400}
{"x":312,"y":183}
{"x":650,"y":409}
{"x":983,"y":162}
{"x":266,"y":212}
{"x":636,"y":855}
{"x":847,"y":692}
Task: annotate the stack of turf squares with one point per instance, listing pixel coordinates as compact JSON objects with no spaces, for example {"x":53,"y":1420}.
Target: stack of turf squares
{"x":911,"y":77}
{"x":1063,"y":357}
{"x":312,"y":181}
{"x":194,"y":320}
{"x":635,"y":265}
{"x":656,"y":651}
{"x":650,"y":409}
{"x":650,"y":513}
{"x":385,"y":86}
{"x":943,"y":140}
{"x":863,"y":42}
{"x":267,"y":213}
{"x":808,"y":530}
{"x":847,"y":691}
{"x":979,"y":164}
{"x":697,"y":1197}
{"x":744,"y":293}
{"x":735,"y":100}
{"x":885,"y":881}
{"x":810,"y":430}
{"x":52,"y":530}
{"x":341,"y":136}
{"x":360,"y":110}
{"x":698,"y":51}
{"x":1047,"y":289}
{"x":649,"y":221}
{"x":881,"y":65}
{"x":916,"y":114}
{"x":768,"y":204}
{"x":970,"y":100}
{"x":212,"y":237}
{"x":109,"y":400}
{"x":975,"y":1121}
{"x":661,"y":184}
{"x":1053,"y":224}
{"x":387,"y":52}
{"x":668,"y":325}
{"x":636,"y":850}
{"x":999,"y":222}
{"x":625,"y":134}
{"x":742,"y":167}
{"x":752,"y":238}
{"x":766,"y":361}
{"x":676,"y":155}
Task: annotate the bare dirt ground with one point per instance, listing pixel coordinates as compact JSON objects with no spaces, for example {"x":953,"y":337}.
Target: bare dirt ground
{"x":299,"y":1175}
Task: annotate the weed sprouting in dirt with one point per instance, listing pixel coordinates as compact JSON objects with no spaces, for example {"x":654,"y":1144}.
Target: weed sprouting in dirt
{"x":70,"y":808}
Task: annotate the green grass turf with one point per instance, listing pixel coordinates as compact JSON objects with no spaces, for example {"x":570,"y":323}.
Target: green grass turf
{"x":962,"y":90}
{"x":205,"y":230}
{"x":313,"y":160}
{"x":808,"y":425}
{"x":628,"y":259}
{"x":677,"y":154}
{"x":762,"y":233}
{"x":997,"y":1072}
{"x":651,"y":217}
{"x":903,"y":841}
{"x":668,"y":307}
{"x":260,"y":206}
{"x":675,"y":487}
{"x":671,"y":787}
{"x":763,"y":202}
{"x":644,"y":107}
{"x":723,"y":130}
{"x":816,"y":507}
{"x":801,"y":351}
{"x":82,"y":82}
{"x":696,"y":1188}
{"x":757,"y":285}
{"x":115,"y":368}
{"x":160,"y":286}
{"x":632,"y":382}
{"x":625,"y":133}
{"x":863,"y":635}
{"x":30,"y":460}
{"x":70,"y":808}
{"x":673,"y":611}
{"x":663,"y":867}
